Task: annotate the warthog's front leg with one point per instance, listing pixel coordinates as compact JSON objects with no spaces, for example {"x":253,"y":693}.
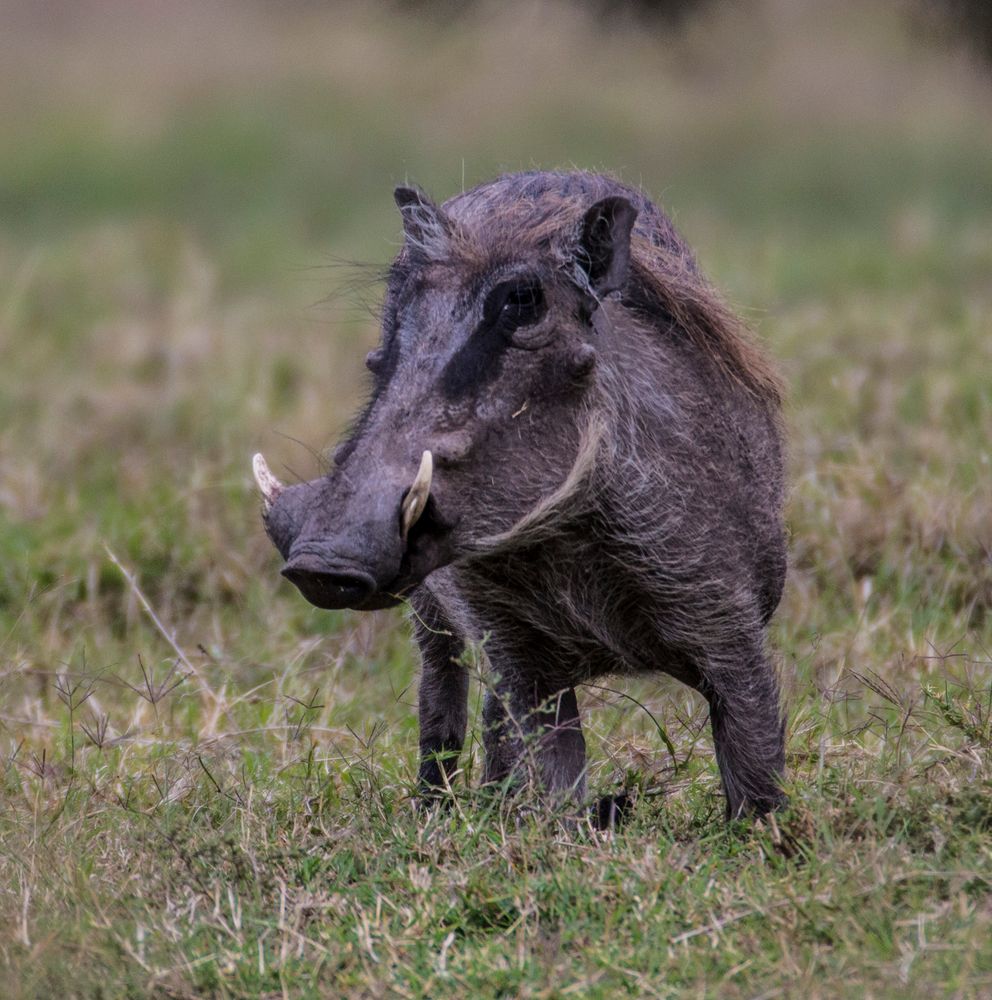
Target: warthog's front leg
{"x":443,"y":693}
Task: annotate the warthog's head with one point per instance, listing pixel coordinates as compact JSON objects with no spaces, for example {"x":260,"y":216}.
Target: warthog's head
{"x":478,"y":407}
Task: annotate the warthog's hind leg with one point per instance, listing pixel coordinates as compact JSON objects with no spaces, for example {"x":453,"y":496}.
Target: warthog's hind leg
{"x":530,"y":737}
{"x":748,"y":733}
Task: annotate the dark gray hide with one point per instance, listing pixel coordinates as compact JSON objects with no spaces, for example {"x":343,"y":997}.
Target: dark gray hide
{"x":607,"y":479}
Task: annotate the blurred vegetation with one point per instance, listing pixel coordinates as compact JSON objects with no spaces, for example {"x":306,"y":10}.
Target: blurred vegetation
{"x":194,"y":212}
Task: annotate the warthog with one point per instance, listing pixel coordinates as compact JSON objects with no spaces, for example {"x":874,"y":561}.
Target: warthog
{"x":572,"y":450}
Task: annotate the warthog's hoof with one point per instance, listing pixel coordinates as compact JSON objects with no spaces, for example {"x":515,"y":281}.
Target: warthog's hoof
{"x":611,"y":811}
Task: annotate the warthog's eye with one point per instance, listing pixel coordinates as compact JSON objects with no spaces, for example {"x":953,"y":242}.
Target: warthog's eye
{"x":513,"y":304}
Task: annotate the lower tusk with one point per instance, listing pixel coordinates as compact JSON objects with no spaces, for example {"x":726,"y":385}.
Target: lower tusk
{"x":416,"y":499}
{"x":269,"y":486}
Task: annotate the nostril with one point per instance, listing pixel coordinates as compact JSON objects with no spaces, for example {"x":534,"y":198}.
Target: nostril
{"x":328,"y":588}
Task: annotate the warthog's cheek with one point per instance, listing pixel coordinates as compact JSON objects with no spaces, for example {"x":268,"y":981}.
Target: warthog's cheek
{"x":430,"y":545}
{"x":428,"y":556}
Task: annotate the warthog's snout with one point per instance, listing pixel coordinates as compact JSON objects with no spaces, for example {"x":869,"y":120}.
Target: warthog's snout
{"x":343,"y":549}
{"x":328,"y":586}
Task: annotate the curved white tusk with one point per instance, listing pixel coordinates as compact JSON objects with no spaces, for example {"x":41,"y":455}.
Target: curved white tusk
{"x":268,"y":484}
{"x":416,"y":499}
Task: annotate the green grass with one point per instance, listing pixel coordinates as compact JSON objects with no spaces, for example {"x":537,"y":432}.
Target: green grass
{"x":214,"y":796}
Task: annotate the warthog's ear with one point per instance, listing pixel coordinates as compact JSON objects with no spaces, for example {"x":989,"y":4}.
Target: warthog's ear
{"x":424,"y":224}
{"x":604,"y":250}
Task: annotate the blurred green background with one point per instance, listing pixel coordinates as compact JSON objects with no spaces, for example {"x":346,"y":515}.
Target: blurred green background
{"x":195,"y":209}
{"x":183,"y":188}
{"x":195,"y":212}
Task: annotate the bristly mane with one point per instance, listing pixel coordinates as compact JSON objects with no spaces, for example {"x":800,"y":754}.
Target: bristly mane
{"x":545,"y":210}
{"x":703,"y":316}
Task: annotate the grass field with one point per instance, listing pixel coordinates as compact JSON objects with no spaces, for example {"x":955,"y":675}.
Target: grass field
{"x":207,"y":783}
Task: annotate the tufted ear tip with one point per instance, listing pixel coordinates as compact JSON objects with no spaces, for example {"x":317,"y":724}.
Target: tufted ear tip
{"x":405,"y":196}
{"x":424,"y":224}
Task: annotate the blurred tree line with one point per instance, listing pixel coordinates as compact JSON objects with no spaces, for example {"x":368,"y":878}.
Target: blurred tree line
{"x":968,"y":20}
{"x":942,"y":22}
{"x":945,"y":21}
